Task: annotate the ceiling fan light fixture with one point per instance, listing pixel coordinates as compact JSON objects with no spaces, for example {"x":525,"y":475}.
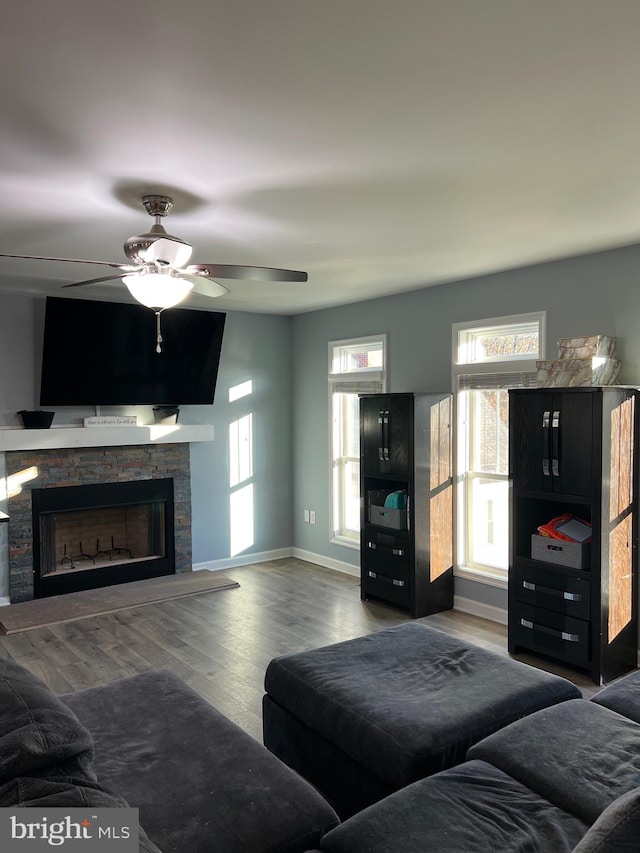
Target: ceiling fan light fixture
{"x":159,"y":274}
{"x":157,"y":290}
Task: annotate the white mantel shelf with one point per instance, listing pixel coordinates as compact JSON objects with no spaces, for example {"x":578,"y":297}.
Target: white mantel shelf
{"x":102,"y":436}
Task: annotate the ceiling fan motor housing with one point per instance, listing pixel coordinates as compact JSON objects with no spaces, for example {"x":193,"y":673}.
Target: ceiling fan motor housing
{"x":157,"y":205}
{"x":136,"y":246}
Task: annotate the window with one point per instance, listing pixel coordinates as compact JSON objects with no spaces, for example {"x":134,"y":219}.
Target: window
{"x":489,"y":357}
{"x":356,"y":366}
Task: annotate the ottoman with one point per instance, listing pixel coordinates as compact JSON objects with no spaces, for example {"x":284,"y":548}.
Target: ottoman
{"x":366,"y":717}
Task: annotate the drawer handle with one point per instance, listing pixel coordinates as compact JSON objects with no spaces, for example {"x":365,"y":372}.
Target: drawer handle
{"x":398,"y":552}
{"x":564,"y":635}
{"x":546,"y":420}
{"x":394,"y":581}
{"x":568,"y":596}
{"x":555,"y":444}
{"x":372,"y":545}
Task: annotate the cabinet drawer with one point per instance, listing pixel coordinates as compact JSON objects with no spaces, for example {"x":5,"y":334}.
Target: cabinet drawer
{"x":383,"y":544}
{"x":553,"y":634}
{"x":381,"y":565}
{"x":554,"y":591}
{"x":394,"y":590}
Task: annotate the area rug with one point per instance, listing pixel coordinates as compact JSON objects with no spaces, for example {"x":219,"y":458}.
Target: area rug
{"x":27,"y":615}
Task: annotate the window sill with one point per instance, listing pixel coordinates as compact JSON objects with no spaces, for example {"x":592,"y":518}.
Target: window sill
{"x":354,"y":544}
{"x":490,"y":577}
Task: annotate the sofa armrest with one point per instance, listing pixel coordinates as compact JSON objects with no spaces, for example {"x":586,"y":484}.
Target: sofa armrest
{"x":617,"y":830}
{"x":39,"y":734}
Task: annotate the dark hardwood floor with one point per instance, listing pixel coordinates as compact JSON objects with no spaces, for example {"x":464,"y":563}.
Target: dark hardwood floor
{"x":221,"y":642}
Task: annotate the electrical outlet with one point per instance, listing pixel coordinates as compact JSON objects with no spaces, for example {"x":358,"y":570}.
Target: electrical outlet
{"x":312,"y":516}
{"x":306,"y":515}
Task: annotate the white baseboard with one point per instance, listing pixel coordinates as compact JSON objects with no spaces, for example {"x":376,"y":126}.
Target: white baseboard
{"x":242,"y":560}
{"x":484,"y":611}
{"x":326,"y":562}
{"x":280,"y":553}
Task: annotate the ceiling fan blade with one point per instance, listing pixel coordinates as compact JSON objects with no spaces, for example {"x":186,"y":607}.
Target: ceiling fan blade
{"x":206,"y":287}
{"x":96,"y":280}
{"x":238,"y":271}
{"x":71,"y":261}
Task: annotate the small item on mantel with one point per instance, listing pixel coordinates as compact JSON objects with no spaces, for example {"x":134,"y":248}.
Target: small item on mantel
{"x":111,"y":420}
{"x":166,"y":414}
{"x":36,"y":419}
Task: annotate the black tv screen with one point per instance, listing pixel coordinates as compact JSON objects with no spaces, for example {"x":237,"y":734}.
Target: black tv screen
{"x":104,"y":354}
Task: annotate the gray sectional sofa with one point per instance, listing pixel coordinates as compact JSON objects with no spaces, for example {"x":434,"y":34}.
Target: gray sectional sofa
{"x":200,"y":783}
{"x":566,"y":778}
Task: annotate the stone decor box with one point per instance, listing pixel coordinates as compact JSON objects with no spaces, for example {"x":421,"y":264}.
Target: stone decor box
{"x":569,"y":372}
{"x":587,"y":346}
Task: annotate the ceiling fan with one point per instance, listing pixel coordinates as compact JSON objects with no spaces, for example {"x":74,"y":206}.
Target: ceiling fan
{"x":159,"y":274}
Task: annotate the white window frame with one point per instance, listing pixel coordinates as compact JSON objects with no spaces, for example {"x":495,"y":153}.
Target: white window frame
{"x":360,"y":381}
{"x":499,"y":372}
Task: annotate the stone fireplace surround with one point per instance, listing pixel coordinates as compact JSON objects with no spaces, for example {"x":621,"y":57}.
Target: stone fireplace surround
{"x":77,"y":466}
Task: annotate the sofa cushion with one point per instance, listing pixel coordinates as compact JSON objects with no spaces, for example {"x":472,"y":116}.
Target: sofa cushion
{"x":578,"y":755}
{"x":39,"y":734}
{"x":409,"y":700}
{"x":472,"y":807}
{"x":617,"y":830}
{"x":623,"y":696}
{"x":201,"y":783}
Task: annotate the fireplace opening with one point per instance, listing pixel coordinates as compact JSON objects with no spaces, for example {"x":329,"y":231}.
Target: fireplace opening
{"x":93,"y":536}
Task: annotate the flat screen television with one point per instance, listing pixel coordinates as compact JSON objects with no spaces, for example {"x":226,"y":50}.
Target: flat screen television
{"x":104,"y":354}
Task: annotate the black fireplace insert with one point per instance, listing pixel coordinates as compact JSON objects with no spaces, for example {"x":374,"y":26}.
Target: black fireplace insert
{"x":91,"y":536}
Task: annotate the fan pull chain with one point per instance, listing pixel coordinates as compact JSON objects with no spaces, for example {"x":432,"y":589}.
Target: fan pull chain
{"x":158,"y":333}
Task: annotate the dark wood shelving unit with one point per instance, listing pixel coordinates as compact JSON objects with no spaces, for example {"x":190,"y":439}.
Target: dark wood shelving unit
{"x":405,"y":445}
{"x":574,"y":450}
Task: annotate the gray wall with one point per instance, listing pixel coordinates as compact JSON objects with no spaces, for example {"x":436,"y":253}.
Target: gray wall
{"x":20,"y":350}
{"x":591,"y":294}
{"x":256,"y":348}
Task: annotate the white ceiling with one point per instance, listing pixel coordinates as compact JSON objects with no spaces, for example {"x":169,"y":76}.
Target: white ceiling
{"x":380,"y":146}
